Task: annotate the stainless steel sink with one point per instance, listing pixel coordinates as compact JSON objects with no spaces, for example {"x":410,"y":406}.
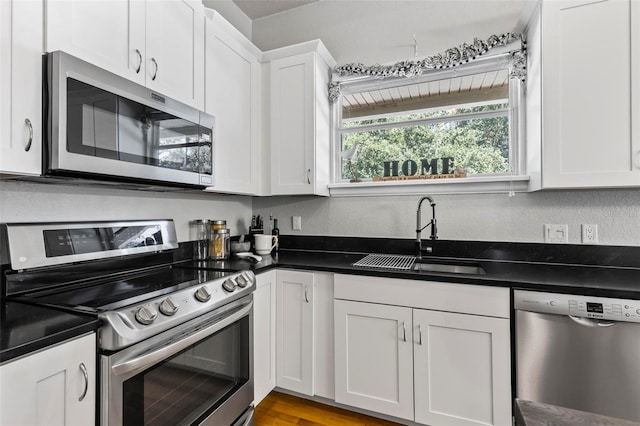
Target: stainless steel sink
{"x":449,"y":268}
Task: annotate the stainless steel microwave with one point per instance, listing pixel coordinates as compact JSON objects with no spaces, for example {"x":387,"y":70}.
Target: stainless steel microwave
{"x":101,"y":126}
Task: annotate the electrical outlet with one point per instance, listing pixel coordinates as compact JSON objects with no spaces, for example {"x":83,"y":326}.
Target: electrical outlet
{"x":296,"y":223}
{"x":556,"y":233}
{"x":589,"y":234}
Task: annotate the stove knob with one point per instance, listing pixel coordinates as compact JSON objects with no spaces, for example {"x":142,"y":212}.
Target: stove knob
{"x":202,"y":294}
{"x":168,"y":307}
{"x":146,"y":314}
{"x":229,"y":286}
{"x":241,"y":281}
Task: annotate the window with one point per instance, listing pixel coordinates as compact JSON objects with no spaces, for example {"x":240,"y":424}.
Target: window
{"x":458,"y":123}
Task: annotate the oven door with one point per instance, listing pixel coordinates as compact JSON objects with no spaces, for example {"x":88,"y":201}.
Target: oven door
{"x":198,"y":373}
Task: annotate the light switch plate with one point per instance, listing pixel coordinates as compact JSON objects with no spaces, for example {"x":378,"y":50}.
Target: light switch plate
{"x":556,"y":233}
{"x":296,"y":223}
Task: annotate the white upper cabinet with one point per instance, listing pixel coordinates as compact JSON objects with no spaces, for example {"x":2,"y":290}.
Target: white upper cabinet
{"x":21,"y":48}
{"x":157,"y":43}
{"x":232,"y":84}
{"x":175,"y":49}
{"x":300,"y":125}
{"x":590,"y":93}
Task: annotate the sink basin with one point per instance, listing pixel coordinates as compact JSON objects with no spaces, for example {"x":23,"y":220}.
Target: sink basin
{"x":449,"y":268}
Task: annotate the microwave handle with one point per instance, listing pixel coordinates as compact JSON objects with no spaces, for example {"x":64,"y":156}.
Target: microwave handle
{"x":155,"y":355}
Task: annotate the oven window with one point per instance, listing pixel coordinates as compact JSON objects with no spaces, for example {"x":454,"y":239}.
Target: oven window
{"x":105,"y":125}
{"x":188,"y":386}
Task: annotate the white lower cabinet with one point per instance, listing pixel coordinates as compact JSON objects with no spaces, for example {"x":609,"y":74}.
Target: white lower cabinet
{"x":374,"y":357}
{"x":401,"y":351}
{"x":304,"y":332}
{"x":461,"y":369}
{"x":264,"y":335}
{"x":50,"y":387}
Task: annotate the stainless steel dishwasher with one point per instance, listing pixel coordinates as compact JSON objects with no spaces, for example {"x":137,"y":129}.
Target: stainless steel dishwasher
{"x":579,"y":352}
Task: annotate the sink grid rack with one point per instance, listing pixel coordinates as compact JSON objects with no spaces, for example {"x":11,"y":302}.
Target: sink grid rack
{"x":396,"y":262}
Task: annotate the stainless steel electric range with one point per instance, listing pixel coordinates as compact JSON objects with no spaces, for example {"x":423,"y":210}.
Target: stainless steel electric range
{"x":175,"y":344}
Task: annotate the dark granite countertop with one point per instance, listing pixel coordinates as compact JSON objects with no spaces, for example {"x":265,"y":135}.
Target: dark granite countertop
{"x":26,"y":328}
{"x":593,"y":280}
{"x":590,"y":270}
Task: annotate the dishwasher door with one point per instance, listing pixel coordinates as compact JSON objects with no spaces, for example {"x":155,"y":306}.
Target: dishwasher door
{"x":581,"y":363}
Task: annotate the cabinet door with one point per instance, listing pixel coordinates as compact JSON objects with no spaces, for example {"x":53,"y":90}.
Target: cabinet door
{"x":324,"y":366}
{"x":373,"y":356}
{"x":232,"y":83}
{"x":21,"y":47}
{"x":462,"y":369}
{"x":292,"y":124}
{"x":45,"y":388}
{"x":175,"y":49}
{"x":588,"y":47}
{"x":264,"y":335}
{"x":294,"y":331}
{"x":106,"y":33}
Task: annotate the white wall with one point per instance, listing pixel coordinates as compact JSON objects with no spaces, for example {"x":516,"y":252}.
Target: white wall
{"x":483,"y":217}
{"x":233,"y":14}
{"x":382,"y":32}
{"x":31,"y":202}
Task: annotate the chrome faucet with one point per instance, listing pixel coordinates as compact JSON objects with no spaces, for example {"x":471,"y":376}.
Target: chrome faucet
{"x":419,"y":228}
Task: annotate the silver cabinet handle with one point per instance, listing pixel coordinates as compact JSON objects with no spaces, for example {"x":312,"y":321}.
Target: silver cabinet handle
{"x":306,"y":297}
{"x":404,"y":332}
{"x":86,"y":381}
{"x":139,"y":61}
{"x":420,"y":334}
{"x":155,"y":72}
{"x":309,"y":176}
{"x":30,"y":127}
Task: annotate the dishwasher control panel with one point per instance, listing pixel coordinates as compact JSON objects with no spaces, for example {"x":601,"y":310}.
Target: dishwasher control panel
{"x":604,"y":308}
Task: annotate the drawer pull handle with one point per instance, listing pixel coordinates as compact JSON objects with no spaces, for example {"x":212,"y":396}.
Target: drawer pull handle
{"x":86,"y":381}
{"x":306,"y":297}
{"x":155,"y":72}
{"x":404,"y":332}
{"x":420,"y":334}
{"x":30,"y":127}
{"x":139,"y":61}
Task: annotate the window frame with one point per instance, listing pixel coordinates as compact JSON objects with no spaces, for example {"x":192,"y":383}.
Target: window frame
{"x":516,"y":180}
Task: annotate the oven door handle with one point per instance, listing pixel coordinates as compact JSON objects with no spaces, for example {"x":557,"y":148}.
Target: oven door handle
{"x":155,"y":355}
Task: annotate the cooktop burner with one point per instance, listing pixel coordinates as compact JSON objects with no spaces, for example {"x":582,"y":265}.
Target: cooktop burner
{"x":102,"y":296}
{"x":128,"y":274}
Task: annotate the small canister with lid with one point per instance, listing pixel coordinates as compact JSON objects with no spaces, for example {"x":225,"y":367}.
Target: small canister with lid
{"x":219,"y":246}
{"x":199,"y":234}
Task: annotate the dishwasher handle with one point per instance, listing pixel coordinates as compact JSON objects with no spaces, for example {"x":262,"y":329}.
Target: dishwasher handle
{"x":592,"y":322}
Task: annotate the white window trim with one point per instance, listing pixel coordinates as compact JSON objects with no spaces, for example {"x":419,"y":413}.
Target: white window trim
{"x":516,"y":182}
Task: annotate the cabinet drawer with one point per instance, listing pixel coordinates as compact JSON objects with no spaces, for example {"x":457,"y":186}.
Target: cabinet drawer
{"x":440,"y":296}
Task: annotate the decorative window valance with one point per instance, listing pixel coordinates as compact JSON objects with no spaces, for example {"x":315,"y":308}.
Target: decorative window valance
{"x":452,"y":57}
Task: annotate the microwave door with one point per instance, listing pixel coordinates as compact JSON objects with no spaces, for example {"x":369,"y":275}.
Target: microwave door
{"x":104,"y":127}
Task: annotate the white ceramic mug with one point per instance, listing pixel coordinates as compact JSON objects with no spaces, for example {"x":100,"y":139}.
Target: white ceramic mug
{"x":265,"y":243}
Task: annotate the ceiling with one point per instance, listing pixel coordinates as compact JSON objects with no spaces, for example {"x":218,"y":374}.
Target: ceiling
{"x":256,"y":9}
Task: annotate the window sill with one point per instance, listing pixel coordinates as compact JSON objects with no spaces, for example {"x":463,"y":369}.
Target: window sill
{"x":470,"y":185}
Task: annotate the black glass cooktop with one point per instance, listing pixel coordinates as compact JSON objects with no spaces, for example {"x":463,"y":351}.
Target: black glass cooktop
{"x":112,"y":294}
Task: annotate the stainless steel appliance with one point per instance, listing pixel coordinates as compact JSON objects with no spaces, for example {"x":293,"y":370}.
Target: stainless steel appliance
{"x":176,"y":342}
{"x":579,"y":352}
{"x":105,"y":127}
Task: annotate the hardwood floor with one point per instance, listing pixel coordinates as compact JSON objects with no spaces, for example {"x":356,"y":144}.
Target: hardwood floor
{"x":279,"y":409}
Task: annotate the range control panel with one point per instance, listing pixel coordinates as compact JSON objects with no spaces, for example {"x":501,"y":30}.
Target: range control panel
{"x":627,"y":310}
